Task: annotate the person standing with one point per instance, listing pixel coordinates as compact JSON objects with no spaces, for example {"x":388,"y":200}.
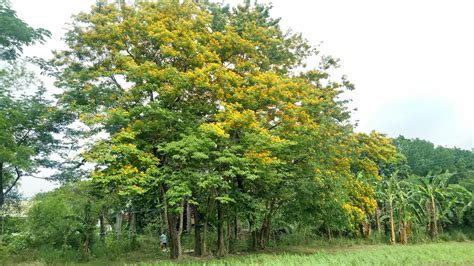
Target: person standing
{"x":163,"y":241}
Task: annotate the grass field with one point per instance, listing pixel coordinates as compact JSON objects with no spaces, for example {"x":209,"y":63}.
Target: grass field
{"x":451,"y":253}
{"x":444,"y":253}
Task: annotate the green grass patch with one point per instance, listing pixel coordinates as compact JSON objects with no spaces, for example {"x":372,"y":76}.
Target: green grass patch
{"x":315,"y":253}
{"x":424,"y":254}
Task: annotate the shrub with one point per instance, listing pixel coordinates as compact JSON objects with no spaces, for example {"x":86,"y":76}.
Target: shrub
{"x":64,"y":219}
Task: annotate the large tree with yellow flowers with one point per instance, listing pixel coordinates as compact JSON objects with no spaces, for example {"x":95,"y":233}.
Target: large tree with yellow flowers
{"x":204,"y":105}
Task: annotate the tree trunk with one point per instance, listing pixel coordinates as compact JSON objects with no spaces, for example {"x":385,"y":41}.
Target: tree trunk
{"x":88,"y":228}
{"x":2,"y":196}
{"x":174,"y":239}
{"x":392,"y":225}
{"x":3,"y":227}
{"x":173,"y":221}
{"x":175,"y":228}
{"x":404,"y":233}
{"x":188,"y":217}
{"x":253,"y":234}
{"x":163,"y":223}
{"x":434,"y":227}
{"x":236,"y":227}
{"x":165,"y":206}
{"x":264,"y":233}
{"x":368,"y":229}
{"x":402,"y":228}
{"x":132,"y":222}
{"x":264,"y":236}
{"x":407,"y":230}
{"x":221,"y":250}
{"x":228,"y":235}
{"x":377,"y":219}
{"x":85,"y":246}
{"x":118,"y":224}
{"x":197,"y":231}
{"x":328,"y":230}
{"x":204,"y":237}
{"x":254,"y":240}
{"x":209,"y":210}
{"x":102,"y":226}
{"x":233,"y":233}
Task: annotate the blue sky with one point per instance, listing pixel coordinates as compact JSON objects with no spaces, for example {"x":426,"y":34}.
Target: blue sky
{"x":412,"y":61}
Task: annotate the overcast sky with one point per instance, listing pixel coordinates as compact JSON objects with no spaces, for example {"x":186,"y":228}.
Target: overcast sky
{"x":412,"y":61}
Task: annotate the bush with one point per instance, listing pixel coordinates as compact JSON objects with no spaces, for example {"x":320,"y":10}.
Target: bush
{"x":20,"y":242}
{"x":4,"y":251}
{"x":457,"y":235}
{"x":64,"y":219}
{"x":50,"y":255}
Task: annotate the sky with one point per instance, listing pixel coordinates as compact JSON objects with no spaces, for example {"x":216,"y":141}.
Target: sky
{"x":412,"y":61}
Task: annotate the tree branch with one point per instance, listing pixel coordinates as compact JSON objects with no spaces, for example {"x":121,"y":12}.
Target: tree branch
{"x":41,"y":177}
{"x":18,"y":175}
{"x":274,"y":126}
{"x":114,"y":80}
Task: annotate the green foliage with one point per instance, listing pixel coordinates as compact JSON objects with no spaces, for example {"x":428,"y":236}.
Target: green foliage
{"x":64,"y":219}
{"x":11,"y":227}
{"x":202,"y":105}
{"x":29,"y":121}
{"x":420,"y":205}
{"x":424,"y":158}
{"x":15,"y":33}
{"x":29,"y":124}
{"x":114,"y":249}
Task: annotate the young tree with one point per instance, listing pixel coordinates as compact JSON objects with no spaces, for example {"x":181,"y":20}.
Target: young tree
{"x":28,"y":123}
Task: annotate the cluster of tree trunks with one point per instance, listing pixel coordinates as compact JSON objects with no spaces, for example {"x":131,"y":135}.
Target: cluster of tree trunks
{"x":404,"y":226}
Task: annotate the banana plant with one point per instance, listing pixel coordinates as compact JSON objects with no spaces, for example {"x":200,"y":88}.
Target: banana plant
{"x":387,"y":192}
{"x":440,"y":202}
{"x":405,"y":209}
{"x":459,"y":201}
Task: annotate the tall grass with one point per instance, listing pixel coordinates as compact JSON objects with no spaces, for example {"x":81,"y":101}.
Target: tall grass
{"x":425,"y":254}
{"x":337,"y":251}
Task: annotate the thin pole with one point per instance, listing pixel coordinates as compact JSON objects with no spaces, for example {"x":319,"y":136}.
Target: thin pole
{"x":3,"y":219}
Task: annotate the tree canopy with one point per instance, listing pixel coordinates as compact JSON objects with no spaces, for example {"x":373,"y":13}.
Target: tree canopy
{"x":204,"y":104}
